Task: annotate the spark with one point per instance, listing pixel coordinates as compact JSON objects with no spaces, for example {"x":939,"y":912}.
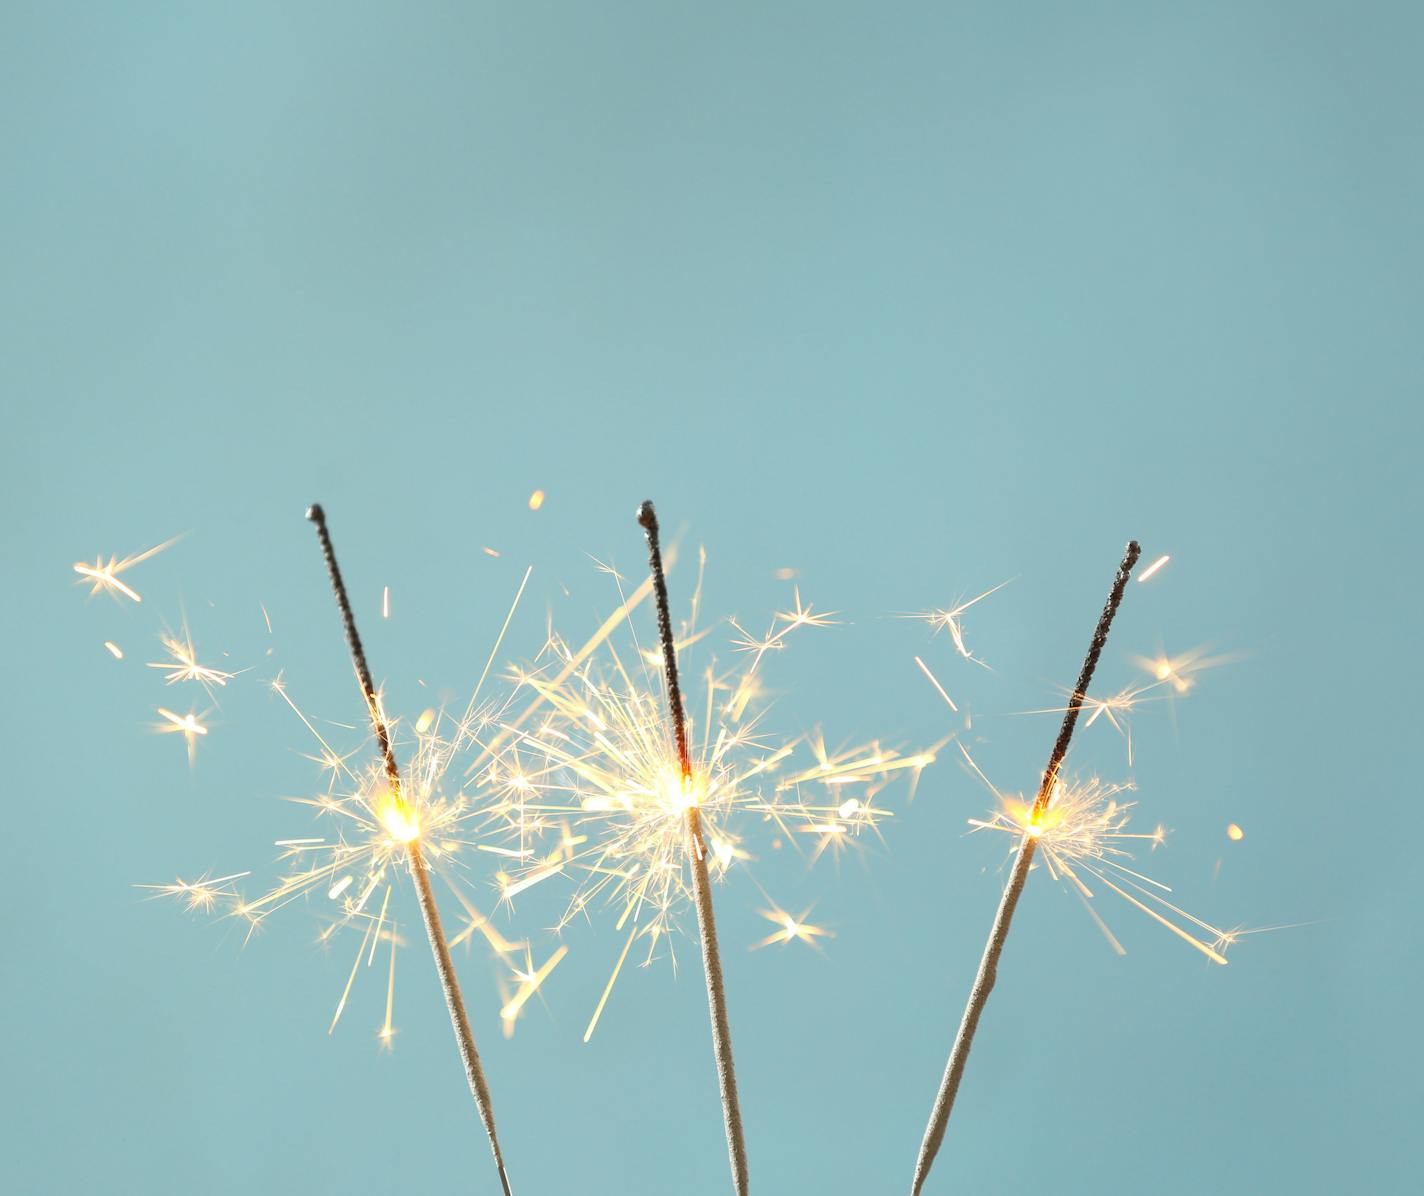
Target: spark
{"x":952,"y":620}
{"x":1234,"y":832}
{"x":791,"y":929}
{"x":612,"y":980}
{"x":1180,"y":672}
{"x":201,"y":894}
{"x":1153,"y":567}
{"x":189,"y":725}
{"x":782,"y":625}
{"x":1083,"y":835}
{"x":1116,"y":709}
{"x":925,"y":669}
{"x":114,"y":650}
{"x":182,"y":664}
{"x":536,"y":500}
{"x":385,"y":602}
{"x":387,"y":1031}
{"x":104,"y":575}
{"x":529,"y":981}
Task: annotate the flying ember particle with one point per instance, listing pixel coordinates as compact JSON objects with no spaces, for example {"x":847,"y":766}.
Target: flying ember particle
{"x":104,"y":575}
{"x":114,"y":649}
{"x":536,"y":500}
{"x":1234,"y":832}
{"x":1153,"y":567}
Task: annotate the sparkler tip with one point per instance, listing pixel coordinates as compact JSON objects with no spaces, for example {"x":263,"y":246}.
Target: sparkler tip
{"x":316,"y":514}
{"x":648,"y":516}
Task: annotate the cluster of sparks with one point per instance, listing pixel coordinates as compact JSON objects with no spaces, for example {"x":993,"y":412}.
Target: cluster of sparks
{"x":355,"y":868}
{"x":1083,"y":835}
{"x":583,"y":785}
{"x":605,"y":802}
{"x":1085,"y":841}
{"x":357,"y":865}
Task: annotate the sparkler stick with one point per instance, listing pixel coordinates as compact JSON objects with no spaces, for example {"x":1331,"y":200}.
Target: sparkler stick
{"x":989,"y":964}
{"x":702,"y":885}
{"x":406,"y":819}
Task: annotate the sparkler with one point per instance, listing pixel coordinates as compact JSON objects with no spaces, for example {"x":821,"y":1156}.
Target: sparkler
{"x":989,"y":964}
{"x":609,"y":794}
{"x":402,"y":821}
{"x":697,"y":853}
{"x":643,"y":806}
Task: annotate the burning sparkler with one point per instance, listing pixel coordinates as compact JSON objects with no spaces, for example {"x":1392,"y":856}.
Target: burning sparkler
{"x":989,"y":964}
{"x":602,"y":797}
{"x":384,"y":821}
{"x":601,"y":782}
{"x":642,"y":802}
{"x":688,"y":792}
{"x":402,"y":822}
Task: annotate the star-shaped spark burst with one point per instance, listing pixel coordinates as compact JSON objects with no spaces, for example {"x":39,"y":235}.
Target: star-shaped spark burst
{"x":103,"y":575}
{"x":951,"y":619}
{"x":791,"y":929}
{"x":182,"y":663}
{"x":200,"y":895}
{"x":1180,"y":672}
{"x":190,"y":726}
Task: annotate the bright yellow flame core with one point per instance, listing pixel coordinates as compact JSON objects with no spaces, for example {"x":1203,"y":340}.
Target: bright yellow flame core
{"x":401,"y":822}
{"x":1084,"y":839}
{"x":678,"y":792}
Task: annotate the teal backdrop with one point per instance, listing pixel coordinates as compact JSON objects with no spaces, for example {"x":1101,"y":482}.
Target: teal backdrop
{"x":909,"y":299}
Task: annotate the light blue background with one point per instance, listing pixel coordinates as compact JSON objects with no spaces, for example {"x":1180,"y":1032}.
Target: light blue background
{"x":912,"y":298}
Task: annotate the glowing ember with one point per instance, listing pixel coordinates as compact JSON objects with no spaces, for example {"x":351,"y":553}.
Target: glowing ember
{"x":1153,"y":568}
